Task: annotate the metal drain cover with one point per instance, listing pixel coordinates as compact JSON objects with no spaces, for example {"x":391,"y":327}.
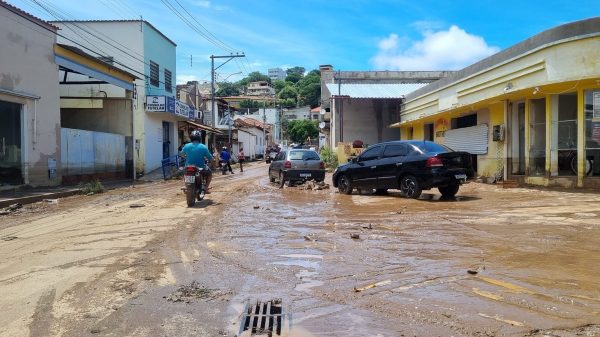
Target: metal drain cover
{"x":264,"y":319}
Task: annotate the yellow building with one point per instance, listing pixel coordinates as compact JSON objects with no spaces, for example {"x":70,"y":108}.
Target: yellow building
{"x":529,"y":113}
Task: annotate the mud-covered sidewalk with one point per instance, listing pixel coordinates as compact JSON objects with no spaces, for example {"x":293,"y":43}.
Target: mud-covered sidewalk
{"x":138,"y":262}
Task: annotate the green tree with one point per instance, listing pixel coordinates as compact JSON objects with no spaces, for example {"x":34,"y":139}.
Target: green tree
{"x":278,"y":85}
{"x":296,"y":70}
{"x":249,"y":103}
{"x":227,"y":89}
{"x":293,"y":77}
{"x":288,"y":92}
{"x":309,"y":89}
{"x":299,"y":131}
{"x":288,"y":102}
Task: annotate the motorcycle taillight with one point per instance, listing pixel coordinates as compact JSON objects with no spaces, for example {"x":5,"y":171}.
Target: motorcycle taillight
{"x":190,"y":170}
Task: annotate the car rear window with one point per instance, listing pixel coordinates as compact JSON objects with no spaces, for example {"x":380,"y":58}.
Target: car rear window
{"x":431,"y":147}
{"x":304,"y":155}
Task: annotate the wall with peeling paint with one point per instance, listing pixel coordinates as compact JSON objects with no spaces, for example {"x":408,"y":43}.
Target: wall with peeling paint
{"x":27,"y":67}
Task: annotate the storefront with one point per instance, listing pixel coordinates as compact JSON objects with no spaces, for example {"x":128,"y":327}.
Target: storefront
{"x":530,"y":113}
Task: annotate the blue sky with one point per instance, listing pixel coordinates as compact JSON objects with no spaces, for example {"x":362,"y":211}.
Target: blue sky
{"x":348,"y":34}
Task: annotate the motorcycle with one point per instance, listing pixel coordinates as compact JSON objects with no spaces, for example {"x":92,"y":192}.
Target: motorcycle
{"x":195,"y":184}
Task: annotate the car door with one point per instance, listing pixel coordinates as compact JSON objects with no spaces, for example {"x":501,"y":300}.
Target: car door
{"x":391,"y":165}
{"x":365,"y":175}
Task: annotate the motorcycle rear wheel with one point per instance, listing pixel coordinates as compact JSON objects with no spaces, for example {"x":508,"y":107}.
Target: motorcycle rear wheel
{"x":190,"y":195}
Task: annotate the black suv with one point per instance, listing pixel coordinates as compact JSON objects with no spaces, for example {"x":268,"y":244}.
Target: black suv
{"x":410,"y":166}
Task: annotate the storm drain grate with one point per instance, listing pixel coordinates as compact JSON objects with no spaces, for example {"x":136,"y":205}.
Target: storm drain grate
{"x":263,"y":318}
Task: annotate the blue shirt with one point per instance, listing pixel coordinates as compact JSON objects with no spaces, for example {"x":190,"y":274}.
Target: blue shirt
{"x":196,"y":153}
{"x":225,"y":155}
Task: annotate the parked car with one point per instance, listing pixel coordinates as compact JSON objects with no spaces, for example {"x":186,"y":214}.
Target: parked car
{"x":410,"y":166}
{"x":295,"y":165}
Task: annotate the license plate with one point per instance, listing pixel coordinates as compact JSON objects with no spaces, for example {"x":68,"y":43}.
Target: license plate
{"x":462,"y":177}
{"x":305,"y":175}
{"x":189,"y":179}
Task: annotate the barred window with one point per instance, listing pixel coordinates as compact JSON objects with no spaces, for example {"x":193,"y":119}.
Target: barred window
{"x":154,"y":70}
{"x":168,"y":86}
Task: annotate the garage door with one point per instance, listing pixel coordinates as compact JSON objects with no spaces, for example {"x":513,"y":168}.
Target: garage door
{"x":473,"y":139}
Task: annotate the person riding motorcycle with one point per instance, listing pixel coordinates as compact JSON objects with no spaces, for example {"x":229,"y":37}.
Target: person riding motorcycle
{"x":226,"y":160}
{"x":197,"y":154}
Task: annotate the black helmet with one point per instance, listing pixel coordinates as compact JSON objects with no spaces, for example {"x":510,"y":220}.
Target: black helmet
{"x":195,"y":136}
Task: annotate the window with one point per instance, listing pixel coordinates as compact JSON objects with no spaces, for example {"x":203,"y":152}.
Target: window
{"x":168,"y":86}
{"x":304,"y":155}
{"x":395,"y":150}
{"x":566,"y":142}
{"x":370,"y":154}
{"x":431,"y":147}
{"x":154,"y":70}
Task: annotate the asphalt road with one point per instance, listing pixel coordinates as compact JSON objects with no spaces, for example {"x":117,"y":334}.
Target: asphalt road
{"x":138,"y":262}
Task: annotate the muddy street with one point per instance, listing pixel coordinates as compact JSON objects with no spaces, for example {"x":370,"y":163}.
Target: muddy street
{"x":136,"y":261}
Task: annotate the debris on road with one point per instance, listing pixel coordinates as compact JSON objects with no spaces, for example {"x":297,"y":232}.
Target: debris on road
{"x":136,"y":205}
{"x":10,"y":209}
{"x":51,"y":201}
{"x":499,"y":319}
{"x":472,"y":271}
{"x":256,"y":207}
{"x":309,"y":238}
{"x":370,"y":226}
{"x":354,"y":236}
{"x":8,"y":238}
{"x":289,"y":217}
{"x":372,"y":285}
{"x":312,"y":185}
{"x":193,"y":291}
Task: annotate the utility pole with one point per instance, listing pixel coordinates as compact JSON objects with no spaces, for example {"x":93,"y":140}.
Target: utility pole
{"x":212,"y":84}
{"x":265,"y":125}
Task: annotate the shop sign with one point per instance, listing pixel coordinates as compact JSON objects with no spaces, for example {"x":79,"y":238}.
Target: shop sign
{"x":156,"y":103}
{"x":182,"y":109}
{"x":441,"y":126}
{"x":171,"y":104}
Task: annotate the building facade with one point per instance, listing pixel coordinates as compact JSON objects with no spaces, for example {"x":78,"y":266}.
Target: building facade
{"x":29,"y":100}
{"x":277,"y":74}
{"x":530,"y":113}
{"x":138,"y":47}
{"x":260,"y":88}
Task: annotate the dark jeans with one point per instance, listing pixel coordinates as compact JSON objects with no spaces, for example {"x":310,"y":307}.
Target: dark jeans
{"x":241,"y":165}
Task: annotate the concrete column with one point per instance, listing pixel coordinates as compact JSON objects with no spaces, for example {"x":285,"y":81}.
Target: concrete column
{"x":580,"y":137}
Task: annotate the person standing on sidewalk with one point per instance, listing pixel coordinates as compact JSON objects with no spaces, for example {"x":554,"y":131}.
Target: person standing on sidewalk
{"x":241,"y":159}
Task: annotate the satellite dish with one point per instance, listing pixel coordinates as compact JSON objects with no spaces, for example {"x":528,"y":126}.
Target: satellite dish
{"x":322,"y":125}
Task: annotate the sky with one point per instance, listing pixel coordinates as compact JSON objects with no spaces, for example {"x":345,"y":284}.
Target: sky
{"x":347,"y":34}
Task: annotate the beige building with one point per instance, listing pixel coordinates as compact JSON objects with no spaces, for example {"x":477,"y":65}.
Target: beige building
{"x":29,"y":100}
{"x":530,"y":113}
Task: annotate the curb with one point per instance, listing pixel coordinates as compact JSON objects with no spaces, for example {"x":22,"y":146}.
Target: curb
{"x":38,"y":197}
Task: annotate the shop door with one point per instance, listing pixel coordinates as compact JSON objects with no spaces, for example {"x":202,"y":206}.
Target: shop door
{"x":10,"y":144}
{"x":516,"y":147}
{"x":166,"y":139}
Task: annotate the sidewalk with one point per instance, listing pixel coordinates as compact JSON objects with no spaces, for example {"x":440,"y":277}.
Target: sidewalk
{"x":29,"y":195}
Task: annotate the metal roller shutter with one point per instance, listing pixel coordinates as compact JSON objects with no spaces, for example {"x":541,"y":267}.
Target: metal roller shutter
{"x":473,"y":139}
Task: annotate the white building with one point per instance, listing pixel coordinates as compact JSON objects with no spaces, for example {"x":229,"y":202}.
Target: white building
{"x":138,"y":47}
{"x":260,"y":88}
{"x":277,"y":74}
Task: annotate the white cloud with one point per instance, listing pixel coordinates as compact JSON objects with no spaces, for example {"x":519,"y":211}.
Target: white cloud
{"x":208,"y":4}
{"x":183,"y":79}
{"x":450,"y":49}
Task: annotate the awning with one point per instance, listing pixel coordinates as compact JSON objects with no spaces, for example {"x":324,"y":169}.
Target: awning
{"x":75,"y":60}
{"x":203,"y":127}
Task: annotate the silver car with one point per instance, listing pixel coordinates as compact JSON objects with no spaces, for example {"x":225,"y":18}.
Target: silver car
{"x":295,"y":165}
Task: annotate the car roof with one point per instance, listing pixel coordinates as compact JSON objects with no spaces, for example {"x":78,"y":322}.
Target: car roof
{"x":404,"y":142}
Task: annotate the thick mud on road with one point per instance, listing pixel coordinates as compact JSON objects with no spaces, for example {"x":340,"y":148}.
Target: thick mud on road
{"x":492,"y":262}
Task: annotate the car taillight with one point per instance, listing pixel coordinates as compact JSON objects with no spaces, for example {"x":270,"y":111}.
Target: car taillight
{"x":434,"y":162}
{"x":322,"y":165}
{"x":288,"y":164}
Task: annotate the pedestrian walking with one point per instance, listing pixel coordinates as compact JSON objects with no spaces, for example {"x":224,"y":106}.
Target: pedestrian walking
{"x":241,"y":159}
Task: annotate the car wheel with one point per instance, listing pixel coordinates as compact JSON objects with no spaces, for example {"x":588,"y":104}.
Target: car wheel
{"x":281,"y":180}
{"x":449,"y":191}
{"x":381,"y":191}
{"x":271,"y":178}
{"x":344,"y":184}
{"x":409,"y":185}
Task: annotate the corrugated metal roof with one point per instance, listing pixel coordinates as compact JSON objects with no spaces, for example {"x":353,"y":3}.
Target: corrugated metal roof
{"x":364,"y":90}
